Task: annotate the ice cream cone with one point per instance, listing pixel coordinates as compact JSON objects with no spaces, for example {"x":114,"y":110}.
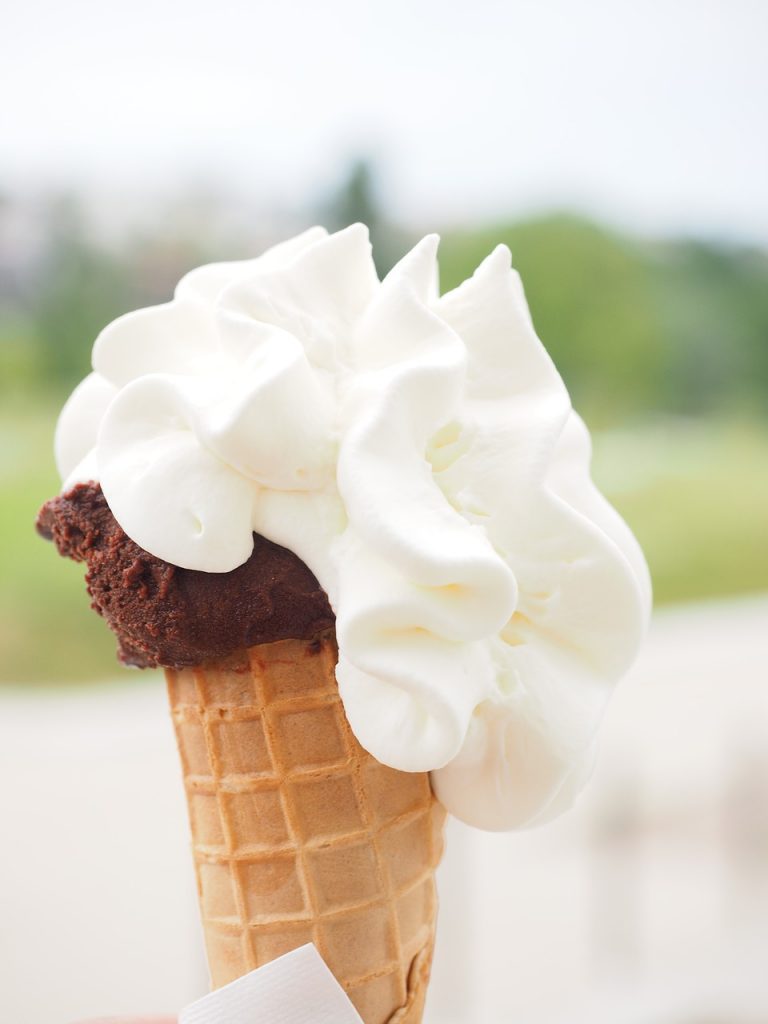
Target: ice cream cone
{"x":301,"y":836}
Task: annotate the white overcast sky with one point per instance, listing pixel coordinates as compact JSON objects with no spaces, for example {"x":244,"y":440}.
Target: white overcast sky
{"x":649,"y":112}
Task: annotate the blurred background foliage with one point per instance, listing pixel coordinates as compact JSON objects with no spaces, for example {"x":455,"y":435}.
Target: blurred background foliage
{"x":663,"y":344}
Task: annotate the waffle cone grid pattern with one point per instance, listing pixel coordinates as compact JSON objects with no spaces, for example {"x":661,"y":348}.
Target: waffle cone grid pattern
{"x":301,"y":836}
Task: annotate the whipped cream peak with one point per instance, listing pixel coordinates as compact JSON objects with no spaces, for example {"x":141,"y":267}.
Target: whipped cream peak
{"x":420,"y":454}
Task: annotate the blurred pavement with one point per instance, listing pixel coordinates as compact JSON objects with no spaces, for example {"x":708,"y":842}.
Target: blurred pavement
{"x":647,"y":905}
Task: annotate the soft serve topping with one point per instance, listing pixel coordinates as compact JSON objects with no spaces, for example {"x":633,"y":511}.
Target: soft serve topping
{"x":420,"y":454}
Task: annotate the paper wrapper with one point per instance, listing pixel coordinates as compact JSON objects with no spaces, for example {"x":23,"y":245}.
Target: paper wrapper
{"x":297,"y":988}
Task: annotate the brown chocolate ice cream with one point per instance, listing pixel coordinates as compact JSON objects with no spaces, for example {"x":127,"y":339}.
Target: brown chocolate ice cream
{"x":165,"y":615}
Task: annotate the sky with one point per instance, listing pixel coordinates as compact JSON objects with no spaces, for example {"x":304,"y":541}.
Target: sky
{"x":648,"y":113}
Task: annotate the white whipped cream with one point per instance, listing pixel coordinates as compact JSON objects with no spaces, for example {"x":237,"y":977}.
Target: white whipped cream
{"x":420,"y":454}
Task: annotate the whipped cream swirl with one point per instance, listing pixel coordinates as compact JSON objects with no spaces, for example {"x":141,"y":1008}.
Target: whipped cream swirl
{"x":419,"y":452}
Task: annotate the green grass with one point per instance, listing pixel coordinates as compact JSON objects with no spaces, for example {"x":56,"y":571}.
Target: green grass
{"x":47,"y":629}
{"x":696,"y":494}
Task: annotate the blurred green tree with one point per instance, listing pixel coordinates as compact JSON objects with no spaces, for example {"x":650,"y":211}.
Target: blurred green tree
{"x":356,"y":200}
{"x":713,"y":303}
{"x":636,"y":328}
{"x":80,"y":288}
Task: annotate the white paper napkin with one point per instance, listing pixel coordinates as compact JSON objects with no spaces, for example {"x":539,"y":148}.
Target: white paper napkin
{"x":297,"y":988}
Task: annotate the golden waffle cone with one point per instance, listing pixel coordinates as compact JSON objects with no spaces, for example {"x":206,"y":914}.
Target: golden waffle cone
{"x":301,"y":836}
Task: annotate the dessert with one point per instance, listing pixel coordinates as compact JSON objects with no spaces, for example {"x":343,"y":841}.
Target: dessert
{"x":293,"y":457}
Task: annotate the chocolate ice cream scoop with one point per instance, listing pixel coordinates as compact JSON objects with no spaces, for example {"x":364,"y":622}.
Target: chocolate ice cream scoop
{"x":165,"y":615}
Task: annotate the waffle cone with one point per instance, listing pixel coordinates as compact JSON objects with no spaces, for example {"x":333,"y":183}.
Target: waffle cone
{"x":301,"y":836}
